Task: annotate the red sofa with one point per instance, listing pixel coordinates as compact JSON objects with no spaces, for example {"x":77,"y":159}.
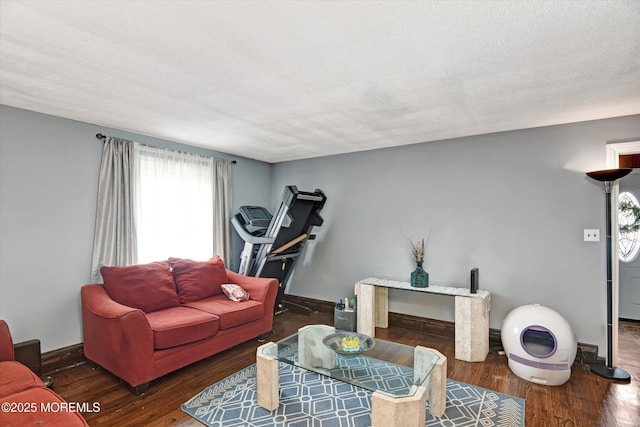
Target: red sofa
{"x":148,"y":320}
{"x":24,"y":399}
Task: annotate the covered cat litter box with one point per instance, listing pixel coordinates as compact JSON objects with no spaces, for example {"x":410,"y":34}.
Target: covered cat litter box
{"x":539,"y":344}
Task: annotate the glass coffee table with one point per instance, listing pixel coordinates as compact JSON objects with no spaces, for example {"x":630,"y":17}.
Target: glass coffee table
{"x":401,"y":377}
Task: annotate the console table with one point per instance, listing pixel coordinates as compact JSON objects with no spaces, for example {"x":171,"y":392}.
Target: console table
{"x":471,"y":313}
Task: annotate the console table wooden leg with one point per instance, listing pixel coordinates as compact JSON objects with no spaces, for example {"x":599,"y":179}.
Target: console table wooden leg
{"x":267,"y":377}
{"x":382,"y":307}
{"x":366,"y":309}
{"x":387,"y":411}
{"x":373,"y":308}
{"x":472,"y":329}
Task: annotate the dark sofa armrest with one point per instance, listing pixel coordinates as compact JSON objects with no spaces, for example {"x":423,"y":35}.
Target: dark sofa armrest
{"x":261,"y":289}
{"x":116,"y":336}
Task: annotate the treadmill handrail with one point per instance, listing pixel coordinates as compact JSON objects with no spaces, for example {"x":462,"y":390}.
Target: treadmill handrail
{"x":311,"y":197}
{"x":248,"y":237}
{"x":287,"y":245}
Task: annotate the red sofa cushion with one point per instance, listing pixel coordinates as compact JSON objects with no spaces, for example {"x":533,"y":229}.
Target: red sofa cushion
{"x":181,"y":325}
{"x":16,"y":377}
{"x":231,"y":313}
{"x":56,"y":412}
{"x":197,"y":280}
{"x":149,"y":287}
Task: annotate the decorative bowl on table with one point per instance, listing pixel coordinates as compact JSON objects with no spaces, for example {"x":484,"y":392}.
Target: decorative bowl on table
{"x":349,"y":343}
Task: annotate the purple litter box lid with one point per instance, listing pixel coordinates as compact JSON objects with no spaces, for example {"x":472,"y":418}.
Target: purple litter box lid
{"x":538,"y":341}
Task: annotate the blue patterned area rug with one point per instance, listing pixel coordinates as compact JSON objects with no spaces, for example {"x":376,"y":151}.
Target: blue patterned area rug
{"x":309,"y":399}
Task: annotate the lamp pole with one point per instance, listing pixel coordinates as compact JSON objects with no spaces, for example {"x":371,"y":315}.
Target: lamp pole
{"x":608,"y":178}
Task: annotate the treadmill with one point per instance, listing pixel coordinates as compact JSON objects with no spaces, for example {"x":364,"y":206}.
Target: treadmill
{"x":273,"y":243}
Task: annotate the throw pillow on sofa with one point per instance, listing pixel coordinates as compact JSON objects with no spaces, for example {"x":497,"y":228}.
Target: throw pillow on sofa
{"x":198,"y":280}
{"x":235,"y":292}
{"x":149,"y":287}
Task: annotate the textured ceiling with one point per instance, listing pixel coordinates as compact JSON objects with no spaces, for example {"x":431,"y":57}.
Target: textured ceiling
{"x":283,"y":80}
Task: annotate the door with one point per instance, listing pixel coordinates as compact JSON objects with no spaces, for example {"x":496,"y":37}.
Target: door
{"x":629,"y":271}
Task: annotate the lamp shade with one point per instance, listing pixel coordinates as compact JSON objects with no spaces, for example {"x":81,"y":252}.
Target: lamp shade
{"x":609,"y":174}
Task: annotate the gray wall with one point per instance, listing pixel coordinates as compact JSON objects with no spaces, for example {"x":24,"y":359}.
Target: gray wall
{"x":48,"y":189}
{"x":513,"y":204}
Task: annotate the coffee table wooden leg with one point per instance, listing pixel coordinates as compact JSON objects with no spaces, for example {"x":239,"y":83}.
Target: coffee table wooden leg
{"x":267,"y":377}
{"x":388,"y":411}
{"x":437,"y":386}
{"x":311,"y":351}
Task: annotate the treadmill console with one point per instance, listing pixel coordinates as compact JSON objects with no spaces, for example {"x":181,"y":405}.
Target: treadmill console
{"x":255,"y":216}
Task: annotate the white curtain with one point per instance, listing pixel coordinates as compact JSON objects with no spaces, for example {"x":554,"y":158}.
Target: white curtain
{"x":114,"y":241}
{"x":182,"y":204}
{"x":222,"y":209}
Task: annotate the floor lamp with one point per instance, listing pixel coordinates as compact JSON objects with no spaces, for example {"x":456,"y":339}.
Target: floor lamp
{"x":608,"y":178}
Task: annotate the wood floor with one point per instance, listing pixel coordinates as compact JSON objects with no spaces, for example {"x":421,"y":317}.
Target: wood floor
{"x":585,"y":400}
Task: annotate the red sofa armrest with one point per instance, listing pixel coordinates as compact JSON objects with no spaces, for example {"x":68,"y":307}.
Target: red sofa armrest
{"x":261,"y":289}
{"x":6,"y":342}
{"x":116,"y":336}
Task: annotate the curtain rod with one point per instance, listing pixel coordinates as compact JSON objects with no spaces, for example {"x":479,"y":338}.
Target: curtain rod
{"x":103,"y":137}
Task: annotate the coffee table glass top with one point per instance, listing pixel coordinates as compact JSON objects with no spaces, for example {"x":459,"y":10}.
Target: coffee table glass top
{"x":390,"y":368}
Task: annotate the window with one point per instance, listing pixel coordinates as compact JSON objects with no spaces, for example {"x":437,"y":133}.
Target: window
{"x":173,"y":204}
{"x":179,"y":205}
{"x":629,"y":220}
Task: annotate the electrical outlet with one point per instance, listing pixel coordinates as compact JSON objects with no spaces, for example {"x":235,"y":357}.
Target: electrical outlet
{"x":591,"y":235}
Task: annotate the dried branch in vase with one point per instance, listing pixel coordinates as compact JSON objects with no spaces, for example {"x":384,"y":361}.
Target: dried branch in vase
{"x":417,"y":248}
